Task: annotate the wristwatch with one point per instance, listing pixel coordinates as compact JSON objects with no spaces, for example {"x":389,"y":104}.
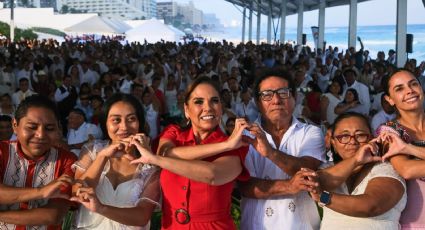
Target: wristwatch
{"x":325,"y":198}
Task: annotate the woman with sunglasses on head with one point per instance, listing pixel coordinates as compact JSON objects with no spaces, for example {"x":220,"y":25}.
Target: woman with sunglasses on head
{"x":358,"y":192}
{"x":406,"y":142}
{"x":199,"y":163}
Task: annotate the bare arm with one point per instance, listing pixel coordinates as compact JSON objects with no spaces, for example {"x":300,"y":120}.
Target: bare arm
{"x":134,"y":216}
{"x":167,"y":148}
{"x":50,"y":214}
{"x":408,"y":168}
{"x":92,"y":174}
{"x":220,"y":171}
{"x":332,"y":177}
{"x":342,"y":108}
{"x":264,"y":189}
{"x":11,"y":195}
{"x":381,"y":194}
{"x":289,"y":164}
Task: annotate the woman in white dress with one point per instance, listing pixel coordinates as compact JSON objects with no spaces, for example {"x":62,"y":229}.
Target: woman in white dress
{"x":358,"y":192}
{"x":329,"y":101}
{"x":114,"y":193}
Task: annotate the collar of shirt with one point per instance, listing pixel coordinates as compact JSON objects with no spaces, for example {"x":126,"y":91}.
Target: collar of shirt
{"x":188,"y":137}
{"x":21,"y":154}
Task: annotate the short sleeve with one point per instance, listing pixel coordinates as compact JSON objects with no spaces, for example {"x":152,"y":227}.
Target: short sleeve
{"x":149,"y":181}
{"x":241,"y":153}
{"x":313,"y":144}
{"x":88,"y":154}
{"x":386,"y":170}
{"x":171,"y":133}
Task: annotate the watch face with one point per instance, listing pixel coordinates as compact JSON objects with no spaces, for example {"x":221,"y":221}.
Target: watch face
{"x":325,"y":198}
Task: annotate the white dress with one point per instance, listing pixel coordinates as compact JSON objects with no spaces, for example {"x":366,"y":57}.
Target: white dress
{"x":125,"y":195}
{"x":386,"y":221}
{"x":330,"y":111}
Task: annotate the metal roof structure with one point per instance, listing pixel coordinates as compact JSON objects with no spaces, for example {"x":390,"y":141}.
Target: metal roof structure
{"x":281,"y":8}
{"x":291,"y":5}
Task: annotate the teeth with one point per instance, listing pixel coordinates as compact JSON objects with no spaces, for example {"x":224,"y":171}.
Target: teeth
{"x":207,"y":117}
{"x":411,"y":99}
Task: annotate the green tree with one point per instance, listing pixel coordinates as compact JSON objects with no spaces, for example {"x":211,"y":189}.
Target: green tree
{"x":65,"y":9}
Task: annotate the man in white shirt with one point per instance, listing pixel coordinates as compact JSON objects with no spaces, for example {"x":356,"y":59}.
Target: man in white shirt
{"x":79,"y":131}
{"x":88,"y":75}
{"x":362,"y":89}
{"x":22,"y":93}
{"x":273,"y":198}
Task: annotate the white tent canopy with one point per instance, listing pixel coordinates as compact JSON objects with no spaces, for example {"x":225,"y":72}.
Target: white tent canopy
{"x":42,"y":17}
{"x":153,"y":31}
{"x":97,"y":25}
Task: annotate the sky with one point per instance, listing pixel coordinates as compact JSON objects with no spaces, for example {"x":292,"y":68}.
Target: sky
{"x":374,"y":12}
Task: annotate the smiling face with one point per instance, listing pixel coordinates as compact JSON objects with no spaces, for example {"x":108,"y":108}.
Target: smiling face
{"x":405,"y":92}
{"x":122,"y":121}
{"x":204,"y":109}
{"x":277,"y":109}
{"x":349,"y":126}
{"x":36,"y":131}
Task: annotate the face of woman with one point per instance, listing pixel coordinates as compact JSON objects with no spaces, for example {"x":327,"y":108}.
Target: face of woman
{"x":349,"y":96}
{"x":353,"y":129}
{"x":122,"y":121}
{"x":335,"y":87}
{"x":204,"y":109}
{"x":405,"y":92}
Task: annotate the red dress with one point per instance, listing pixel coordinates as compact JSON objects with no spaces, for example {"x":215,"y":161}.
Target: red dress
{"x":188,"y":204}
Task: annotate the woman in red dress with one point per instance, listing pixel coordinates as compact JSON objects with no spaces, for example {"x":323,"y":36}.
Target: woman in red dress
{"x":201,"y":163}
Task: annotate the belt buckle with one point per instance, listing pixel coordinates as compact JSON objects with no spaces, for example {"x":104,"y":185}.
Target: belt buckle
{"x":181,"y":211}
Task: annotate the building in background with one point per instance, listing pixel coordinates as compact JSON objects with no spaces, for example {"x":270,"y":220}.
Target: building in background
{"x":180,"y":14}
{"x":122,"y":9}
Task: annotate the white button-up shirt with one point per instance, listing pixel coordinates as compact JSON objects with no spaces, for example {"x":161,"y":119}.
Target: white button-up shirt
{"x":80,"y":135}
{"x":290,"y":211}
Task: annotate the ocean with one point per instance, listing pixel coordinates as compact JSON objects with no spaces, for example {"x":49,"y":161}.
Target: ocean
{"x":375,"y":38}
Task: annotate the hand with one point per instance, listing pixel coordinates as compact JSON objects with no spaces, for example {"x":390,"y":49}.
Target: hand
{"x":368,"y":153}
{"x":315,"y":188}
{"x":303,"y":181}
{"x":56,"y":188}
{"x":87,"y":197}
{"x":142,"y":144}
{"x":235,"y":139}
{"x":259,"y":142}
{"x":395,"y":145}
{"x":116,"y":149}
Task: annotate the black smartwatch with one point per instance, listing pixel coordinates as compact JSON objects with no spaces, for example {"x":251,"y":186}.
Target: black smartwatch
{"x":325,"y":198}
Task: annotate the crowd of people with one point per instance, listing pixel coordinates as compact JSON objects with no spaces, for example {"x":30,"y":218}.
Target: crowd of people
{"x":114,"y":132}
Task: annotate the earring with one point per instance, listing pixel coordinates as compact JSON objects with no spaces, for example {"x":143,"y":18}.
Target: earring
{"x":188,"y":122}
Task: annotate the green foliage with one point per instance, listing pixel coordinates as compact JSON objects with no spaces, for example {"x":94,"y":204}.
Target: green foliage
{"x":49,"y":31}
{"x":156,"y":220}
{"x":19,"y":33}
{"x":236,"y":211}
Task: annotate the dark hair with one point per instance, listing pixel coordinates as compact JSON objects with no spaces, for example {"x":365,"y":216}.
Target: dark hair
{"x":6,"y":118}
{"x":79,"y":112}
{"x":355,"y":94}
{"x":23,"y":79}
{"x":38,"y":101}
{"x":340,"y":87}
{"x":274,"y":72}
{"x":121,"y":97}
{"x":337,"y":158}
{"x":386,"y":80}
{"x":199,"y":81}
